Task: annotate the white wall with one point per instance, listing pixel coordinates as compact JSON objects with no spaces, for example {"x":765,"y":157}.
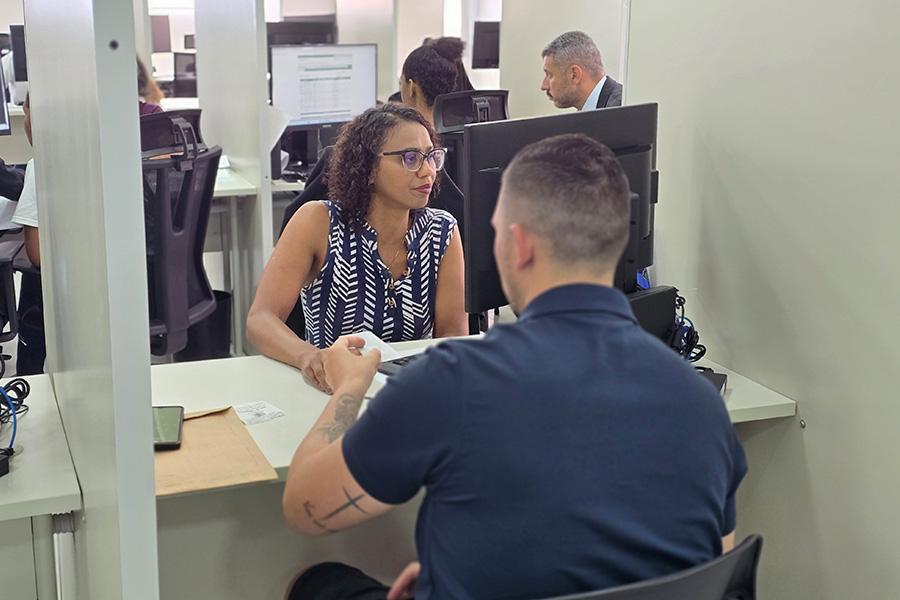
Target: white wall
{"x":528,"y":26}
{"x":81,"y":73}
{"x":371,"y":22}
{"x":11,"y":13}
{"x":414,"y":21}
{"x":303,"y":8}
{"x":779,"y":206}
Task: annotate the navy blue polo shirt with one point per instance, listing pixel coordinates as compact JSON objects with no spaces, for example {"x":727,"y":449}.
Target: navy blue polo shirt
{"x":570,"y":451}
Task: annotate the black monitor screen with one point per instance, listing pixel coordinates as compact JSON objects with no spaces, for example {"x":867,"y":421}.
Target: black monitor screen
{"x":17,"y":39}
{"x":486,"y":45}
{"x":286,"y":33}
{"x":630,"y":131}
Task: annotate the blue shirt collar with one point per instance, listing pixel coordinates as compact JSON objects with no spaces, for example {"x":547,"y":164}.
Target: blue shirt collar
{"x":579,"y":297}
{"x":594,"y":98}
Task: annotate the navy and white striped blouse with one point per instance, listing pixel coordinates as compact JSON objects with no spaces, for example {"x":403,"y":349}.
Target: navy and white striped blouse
{"x":355,"y":291}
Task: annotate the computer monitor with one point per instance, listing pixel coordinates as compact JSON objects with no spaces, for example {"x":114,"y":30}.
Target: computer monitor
{"x":20,"y":64}
{"x":486,"y":45}
{"x":5,"y":128}
{"x":185,"y":83}
{"x":630,"y":131}
{"x":324,"y":83}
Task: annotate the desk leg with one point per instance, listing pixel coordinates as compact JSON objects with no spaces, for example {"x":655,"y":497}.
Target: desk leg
{"x":64,"y":543}
{"x":237,"y":279}
{"x":44,"y":557}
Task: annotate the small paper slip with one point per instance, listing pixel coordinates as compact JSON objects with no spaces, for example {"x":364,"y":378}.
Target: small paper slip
{"x":373,"y":341}
{"x":253,"y":413}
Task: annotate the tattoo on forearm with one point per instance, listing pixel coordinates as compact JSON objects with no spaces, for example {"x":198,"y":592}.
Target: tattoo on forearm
{"x":344,"y":416}
{"x":308,"y":507}
{"x":321,"y":523}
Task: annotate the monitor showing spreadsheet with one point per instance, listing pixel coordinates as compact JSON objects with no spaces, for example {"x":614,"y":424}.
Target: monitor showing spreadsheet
{"x":327,"y":83}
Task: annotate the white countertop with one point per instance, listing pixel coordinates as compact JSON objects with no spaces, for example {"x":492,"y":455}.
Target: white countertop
{"x":41,"y":479}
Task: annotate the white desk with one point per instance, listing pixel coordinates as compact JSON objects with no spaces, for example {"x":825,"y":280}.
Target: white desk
{"x":233,"y":544}
{"x":233,"y":187}
{"x":41,"y":482}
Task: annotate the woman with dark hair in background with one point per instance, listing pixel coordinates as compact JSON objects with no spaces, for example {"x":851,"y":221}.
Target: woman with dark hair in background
{"x":374,"y":257}
{"x":432,"y":69}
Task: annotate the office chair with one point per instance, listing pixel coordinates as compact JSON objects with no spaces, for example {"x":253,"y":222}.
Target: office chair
{"x":178,"y":187}
{"x":9,"y":316}
{"x":731,"y":576}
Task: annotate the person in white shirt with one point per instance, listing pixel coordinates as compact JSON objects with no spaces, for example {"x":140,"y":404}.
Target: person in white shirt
{"x":31,"y":350}
{"x":574,"y":75}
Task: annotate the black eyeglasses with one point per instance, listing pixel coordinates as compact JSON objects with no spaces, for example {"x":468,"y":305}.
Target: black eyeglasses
{"x":413,"y":159}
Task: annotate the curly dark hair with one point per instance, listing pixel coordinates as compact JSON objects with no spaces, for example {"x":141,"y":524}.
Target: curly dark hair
{"x":437,"y":67}
{"x":356,"y":155}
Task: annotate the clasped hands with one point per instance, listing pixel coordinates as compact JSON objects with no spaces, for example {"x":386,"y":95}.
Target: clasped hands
{"x":341,"y":365}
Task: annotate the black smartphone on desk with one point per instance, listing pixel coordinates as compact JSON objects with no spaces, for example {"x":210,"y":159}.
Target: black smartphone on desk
{"x":168,"y":422}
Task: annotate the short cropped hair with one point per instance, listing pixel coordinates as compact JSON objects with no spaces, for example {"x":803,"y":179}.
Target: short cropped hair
{"x":571,"y":191}
{"x":575,"y":48}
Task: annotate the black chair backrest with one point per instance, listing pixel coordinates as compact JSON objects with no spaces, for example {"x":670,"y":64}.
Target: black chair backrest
{"x":178,"y":191}
{"x":8,"y":313}
{"x":731,"y":576}
{"x":452,"y":112}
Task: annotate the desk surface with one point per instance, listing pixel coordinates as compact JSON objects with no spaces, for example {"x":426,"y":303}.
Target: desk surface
{"x":750,"y":401}
{"x":41,"y":479}
{"x":230,"y":183}
{"x":215,"y":383}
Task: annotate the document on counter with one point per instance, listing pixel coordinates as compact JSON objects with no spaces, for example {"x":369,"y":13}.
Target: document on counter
{"x":253,"y":413}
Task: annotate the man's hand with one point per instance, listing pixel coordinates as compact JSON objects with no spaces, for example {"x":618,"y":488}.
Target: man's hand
{"x":404,"y":587}
{"x":345,"y":367}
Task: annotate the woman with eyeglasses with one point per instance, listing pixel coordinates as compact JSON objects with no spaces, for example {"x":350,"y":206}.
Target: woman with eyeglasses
{"x":373,"y":256}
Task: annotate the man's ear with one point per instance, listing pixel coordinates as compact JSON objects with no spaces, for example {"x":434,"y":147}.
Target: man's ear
{"x":523,"y":240}
{"x":575,"y":74}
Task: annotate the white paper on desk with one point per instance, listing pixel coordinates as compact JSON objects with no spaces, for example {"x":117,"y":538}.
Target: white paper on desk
{"x":254,"y":413}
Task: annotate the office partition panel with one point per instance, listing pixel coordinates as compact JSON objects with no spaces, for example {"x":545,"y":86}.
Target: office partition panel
{"x":778,"y":217}
{"x":87,"y":158}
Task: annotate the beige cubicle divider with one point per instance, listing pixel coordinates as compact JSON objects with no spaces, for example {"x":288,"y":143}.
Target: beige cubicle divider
{"x":778,"y":211}
{"x":529,"y":25}
{"x":87,"y":156}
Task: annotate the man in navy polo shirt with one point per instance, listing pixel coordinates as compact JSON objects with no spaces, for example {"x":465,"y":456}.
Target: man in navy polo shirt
{"x":570,"y":451}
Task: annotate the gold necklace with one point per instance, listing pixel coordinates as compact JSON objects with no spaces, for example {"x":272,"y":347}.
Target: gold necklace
{"x":390,"y":265}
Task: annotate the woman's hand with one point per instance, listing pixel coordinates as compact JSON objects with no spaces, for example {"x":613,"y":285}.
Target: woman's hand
{"x":312,"y":365}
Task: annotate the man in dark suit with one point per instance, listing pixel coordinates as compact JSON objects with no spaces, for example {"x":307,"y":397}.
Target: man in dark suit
{"x":574,"y":76}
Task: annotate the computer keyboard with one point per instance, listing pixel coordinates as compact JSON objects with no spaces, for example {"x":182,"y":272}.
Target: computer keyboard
{"x":392,"y":366}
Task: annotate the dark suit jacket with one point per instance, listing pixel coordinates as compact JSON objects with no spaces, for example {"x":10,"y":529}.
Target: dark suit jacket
{"x":611,"y":94}
{"x":449,"y":198}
